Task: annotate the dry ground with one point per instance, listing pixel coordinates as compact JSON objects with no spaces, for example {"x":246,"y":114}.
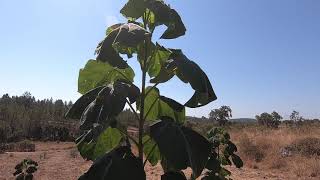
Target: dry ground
{"x":61,"y":161}
{"x":261,"y":148}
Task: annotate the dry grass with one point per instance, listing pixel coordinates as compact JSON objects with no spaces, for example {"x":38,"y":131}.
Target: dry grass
{"x":260,"y":149}
{"x":263,"y":148}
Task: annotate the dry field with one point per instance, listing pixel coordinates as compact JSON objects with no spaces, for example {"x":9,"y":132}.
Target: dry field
{"x":261,"y":149}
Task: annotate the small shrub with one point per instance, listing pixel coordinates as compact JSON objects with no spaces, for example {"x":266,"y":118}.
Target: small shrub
{"x":279,"y":163}
{"x":222,"y":154}
{"x":2,"y":148}
{"x":306,"y":147}
{"x":251,"y":150}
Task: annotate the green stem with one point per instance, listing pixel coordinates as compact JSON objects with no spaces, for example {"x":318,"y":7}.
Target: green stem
{"x":141,"y":122}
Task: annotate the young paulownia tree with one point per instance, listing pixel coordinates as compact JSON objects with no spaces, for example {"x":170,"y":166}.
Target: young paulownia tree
{"x":107,"y":86}
{"x":25,"y":169}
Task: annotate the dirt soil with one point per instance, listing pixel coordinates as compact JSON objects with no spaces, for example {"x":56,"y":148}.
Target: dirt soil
{"x":61,"y":161}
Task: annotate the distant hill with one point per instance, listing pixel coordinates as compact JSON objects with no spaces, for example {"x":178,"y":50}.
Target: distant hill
{"x":243,"y":120}
{"x":238,"y":120}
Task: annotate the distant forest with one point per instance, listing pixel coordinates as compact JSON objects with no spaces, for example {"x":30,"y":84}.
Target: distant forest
{"x":25,"y":117}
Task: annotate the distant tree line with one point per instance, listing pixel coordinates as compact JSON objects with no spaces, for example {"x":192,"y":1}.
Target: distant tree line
{"x":25,"y":117}
{"x":222,"y":116}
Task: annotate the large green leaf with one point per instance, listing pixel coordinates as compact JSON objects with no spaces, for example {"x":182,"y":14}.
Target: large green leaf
{"x":91,"y":145}
{"x":159,"y":56}
{"x":171,"y":108}
{"x":157,"y":106}
{"x":106,"y":52}
{"x":97,"y":73}
{"x":108,"y":103}
{"x":75,"y":112}
{"x":157,"y":13}
{"x":151,"y":150}
{"x":163,"y":14}
{"x":133,"y":9}
{"x":124,"y":39}
{"x":189,"y":72}
{"x":213,"y":164}
{"x":237,"y":161}
{"x":130,"y":34}
{"x":119,"y":164}
{"x":182,"y":147}
{"x":165,"y":74}
{"x":113,"y":27}
{"x":151,"y":105}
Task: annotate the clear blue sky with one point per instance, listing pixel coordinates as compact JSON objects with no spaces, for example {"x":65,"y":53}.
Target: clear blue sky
{"x":261,"y":55}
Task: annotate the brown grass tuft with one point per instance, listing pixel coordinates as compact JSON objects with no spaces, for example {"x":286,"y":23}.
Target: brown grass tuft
{"x":263,"y":148}
{"x":308,"y":146}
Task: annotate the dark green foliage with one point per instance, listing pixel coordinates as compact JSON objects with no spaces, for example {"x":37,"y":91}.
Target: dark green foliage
{"x":95,"y":142}
{"x":75,"y":112}
{"x":118,"y":164}
{"x":123,"y":39}
{"x":237,"y":161}
{"x":188,"y":72}
{"x":221,"y":115}
{"x":157,"y":106}
{"x":295,"y":116}
{"x":222,"y":154}
{"x":181,"y":146}
{"x":134,"y":9}
{"x":151,"y":150}
{"x":25,"y":169}
{"x":107,"y":102}
{"x":160,"y":13}
{"x":270,"y":120}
